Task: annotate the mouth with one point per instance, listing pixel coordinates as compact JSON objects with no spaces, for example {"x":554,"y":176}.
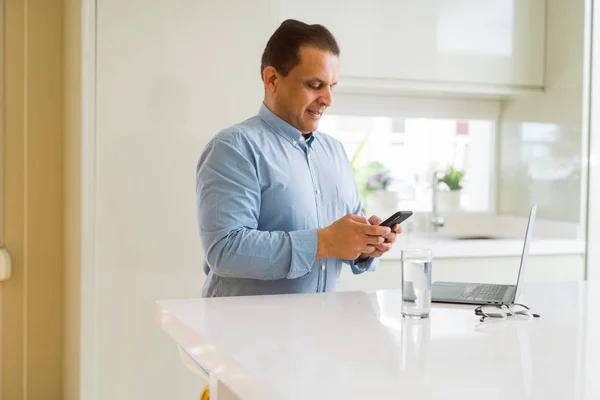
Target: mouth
{"x":314,"y":113}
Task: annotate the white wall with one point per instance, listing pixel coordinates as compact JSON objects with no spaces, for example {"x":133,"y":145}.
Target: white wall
{"x":170,"y":75}
{"x":561,"y":104}
{"x":593,"y":250}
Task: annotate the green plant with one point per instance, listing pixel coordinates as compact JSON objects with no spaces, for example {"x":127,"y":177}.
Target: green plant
{"x":361,"y":146}
{"x":369,"y":176}
{"x":453,"y":178}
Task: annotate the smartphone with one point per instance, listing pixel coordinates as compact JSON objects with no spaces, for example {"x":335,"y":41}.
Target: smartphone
{"x":397,"y":218}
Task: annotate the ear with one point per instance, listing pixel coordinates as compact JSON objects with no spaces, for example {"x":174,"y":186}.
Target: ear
{"x":270,"y":79}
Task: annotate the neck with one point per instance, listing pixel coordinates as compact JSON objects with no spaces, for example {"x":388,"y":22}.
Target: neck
{"x":272,"y":106}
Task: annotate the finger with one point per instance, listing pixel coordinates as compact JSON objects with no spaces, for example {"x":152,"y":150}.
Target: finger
{"x":376,"y":254}
{"x":375,"y":220}
{"x":376,"y":230}
{"x":368,"y":249}
{"x":390,"y":238}
{"x":374,"y":239}
{"x":383,"y":247}
{"x":358,"y":218}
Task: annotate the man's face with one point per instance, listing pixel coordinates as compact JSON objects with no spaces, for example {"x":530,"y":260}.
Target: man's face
{"x":301,"y":97}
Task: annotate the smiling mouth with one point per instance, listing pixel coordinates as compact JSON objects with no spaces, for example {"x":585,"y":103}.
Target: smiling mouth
{"x":315,"y":114}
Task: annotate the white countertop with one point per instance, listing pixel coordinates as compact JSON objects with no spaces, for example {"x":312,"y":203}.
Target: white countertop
{"x":355,"y":345}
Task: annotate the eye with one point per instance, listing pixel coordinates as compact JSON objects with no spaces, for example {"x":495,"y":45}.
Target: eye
{"x":314,"y":86}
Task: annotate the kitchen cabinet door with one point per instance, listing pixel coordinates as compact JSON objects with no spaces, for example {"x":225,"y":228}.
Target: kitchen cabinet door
{"x":459,"y":42}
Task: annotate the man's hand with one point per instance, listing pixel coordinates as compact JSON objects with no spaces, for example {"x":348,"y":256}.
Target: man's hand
{"x":349,"y":237}
{"x":384,"y":247}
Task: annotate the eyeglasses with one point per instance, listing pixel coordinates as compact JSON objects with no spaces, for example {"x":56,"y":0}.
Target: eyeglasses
{"x":504,"y":311}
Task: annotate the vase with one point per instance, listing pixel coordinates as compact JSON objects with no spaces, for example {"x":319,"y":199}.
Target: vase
{"x":449,"y":201}
{"x":382,"y":203}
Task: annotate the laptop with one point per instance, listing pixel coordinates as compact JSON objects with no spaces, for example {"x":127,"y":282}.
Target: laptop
{"x":481,"y":293}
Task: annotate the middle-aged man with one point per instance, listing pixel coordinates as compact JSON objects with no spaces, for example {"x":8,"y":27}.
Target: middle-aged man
{"x":278,"y":207}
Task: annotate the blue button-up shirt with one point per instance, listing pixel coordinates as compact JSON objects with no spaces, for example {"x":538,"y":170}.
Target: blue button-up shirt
{"x":262,"y":191}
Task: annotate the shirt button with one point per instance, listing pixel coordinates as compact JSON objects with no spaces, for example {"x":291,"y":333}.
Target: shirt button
{"x":323,"y":267}
{"x":301,"y":139}
{"x":318,"y":192}
{"x":294,"y":142}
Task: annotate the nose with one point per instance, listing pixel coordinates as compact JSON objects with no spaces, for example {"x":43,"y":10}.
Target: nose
{"x":326,"y":98}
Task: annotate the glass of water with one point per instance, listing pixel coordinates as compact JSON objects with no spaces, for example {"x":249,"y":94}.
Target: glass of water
{"x":416,"y":283}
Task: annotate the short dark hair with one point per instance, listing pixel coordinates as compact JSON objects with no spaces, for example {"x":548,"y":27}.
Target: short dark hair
{"x":283,"y":48}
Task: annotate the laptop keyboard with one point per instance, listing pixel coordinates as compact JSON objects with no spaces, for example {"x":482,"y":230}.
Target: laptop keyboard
{"x":485,"y":292}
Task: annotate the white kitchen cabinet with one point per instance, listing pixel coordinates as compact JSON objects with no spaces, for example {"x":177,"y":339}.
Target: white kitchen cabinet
{"x":464,"y":43}
{"x":504,"y":270}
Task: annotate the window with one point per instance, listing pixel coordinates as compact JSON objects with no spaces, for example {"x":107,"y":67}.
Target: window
{"x":412,"y":148}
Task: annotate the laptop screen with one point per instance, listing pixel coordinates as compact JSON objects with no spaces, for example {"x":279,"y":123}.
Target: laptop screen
{"x":525,"y":250}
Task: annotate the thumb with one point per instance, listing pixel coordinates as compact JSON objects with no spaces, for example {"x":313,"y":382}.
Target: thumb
{"x":375,"y":220}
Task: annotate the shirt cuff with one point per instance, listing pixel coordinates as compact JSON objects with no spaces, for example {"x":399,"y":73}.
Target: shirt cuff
{"x":358,"y":267}
{"x":304,"y":249}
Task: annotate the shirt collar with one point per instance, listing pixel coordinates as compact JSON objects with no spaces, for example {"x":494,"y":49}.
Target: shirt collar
{"x":287,"y":131}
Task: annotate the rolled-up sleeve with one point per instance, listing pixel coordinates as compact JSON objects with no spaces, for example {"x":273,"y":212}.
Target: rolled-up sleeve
{"x":370,"y":264}
{"x":228,"y":204}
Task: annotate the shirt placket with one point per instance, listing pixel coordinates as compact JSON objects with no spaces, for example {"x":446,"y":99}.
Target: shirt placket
{"x":309,"y":154}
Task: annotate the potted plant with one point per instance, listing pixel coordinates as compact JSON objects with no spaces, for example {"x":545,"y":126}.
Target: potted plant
{"x":373,"y":182}
{"x":449,"y":189}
